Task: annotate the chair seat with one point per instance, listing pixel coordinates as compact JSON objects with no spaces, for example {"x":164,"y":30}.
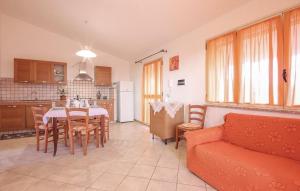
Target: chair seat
{"x":82,"y":127}
{"x":189,"y":126}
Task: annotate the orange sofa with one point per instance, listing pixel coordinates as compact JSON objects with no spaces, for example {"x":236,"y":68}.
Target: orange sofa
{"x":247,"y":153}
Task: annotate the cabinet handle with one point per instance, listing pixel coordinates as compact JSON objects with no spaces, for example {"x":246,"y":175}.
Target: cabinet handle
{"x":25,"y":81}
{"x":12,"y":106}
{"x":40,"y":105}
{"x":44,"y":81}
{"x":60,"y":82}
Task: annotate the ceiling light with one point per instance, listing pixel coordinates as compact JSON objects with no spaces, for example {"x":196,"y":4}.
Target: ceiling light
{"x":86,"y":53}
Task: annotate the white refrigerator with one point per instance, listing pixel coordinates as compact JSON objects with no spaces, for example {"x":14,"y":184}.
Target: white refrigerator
{"x":125,"y":105}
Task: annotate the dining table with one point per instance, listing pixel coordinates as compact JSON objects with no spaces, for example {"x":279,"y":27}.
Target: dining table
{"x":56,"y":113}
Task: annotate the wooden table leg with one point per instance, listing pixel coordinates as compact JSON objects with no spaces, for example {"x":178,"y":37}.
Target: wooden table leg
{"x":55,"y":135}
{"x":102,"y":129}
{"x":177,"y":137}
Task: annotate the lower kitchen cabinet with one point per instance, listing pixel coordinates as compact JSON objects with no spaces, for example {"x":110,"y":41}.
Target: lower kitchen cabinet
{"x":12,"y":117}
{"x":109,"y":106}
{"x":29,"y":115}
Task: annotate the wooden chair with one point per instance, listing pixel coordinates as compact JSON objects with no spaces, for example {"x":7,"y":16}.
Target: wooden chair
{"x":196,"y":121}
{"x":78,"y":122}
{"x":96,"y":121}
{"x":38,"y":113}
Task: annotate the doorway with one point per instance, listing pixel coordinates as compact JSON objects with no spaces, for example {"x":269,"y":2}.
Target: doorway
{"x":152,"y":86}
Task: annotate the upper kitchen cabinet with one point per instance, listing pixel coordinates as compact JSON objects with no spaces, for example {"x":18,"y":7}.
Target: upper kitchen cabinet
{"x":59,"y":72}
{"x":103,"y":75}
{"x":37,"y":71}
{"x":23,"y":71}
{"x":43,"y":72}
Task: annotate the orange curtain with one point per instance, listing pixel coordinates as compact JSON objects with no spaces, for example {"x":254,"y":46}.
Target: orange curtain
{"x":260,"y":63}
{"x":292,"y":57}
{"x":152,"y":86}
{"x":220,"y":69}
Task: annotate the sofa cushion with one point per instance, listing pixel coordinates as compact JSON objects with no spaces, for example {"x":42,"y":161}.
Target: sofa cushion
{"x":230,"y":167}
{"x":272,"y":135}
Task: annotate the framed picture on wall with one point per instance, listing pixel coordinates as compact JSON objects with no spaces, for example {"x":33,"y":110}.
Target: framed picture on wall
{"x":174,"y":63}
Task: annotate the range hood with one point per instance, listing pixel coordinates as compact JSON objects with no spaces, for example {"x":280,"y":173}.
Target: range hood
{"x":83,"y":76}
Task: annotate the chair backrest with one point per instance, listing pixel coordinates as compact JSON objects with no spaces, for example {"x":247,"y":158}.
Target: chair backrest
{"x":77,"y":116}
{"x":38,"y":113}
{"x":197,"y":114}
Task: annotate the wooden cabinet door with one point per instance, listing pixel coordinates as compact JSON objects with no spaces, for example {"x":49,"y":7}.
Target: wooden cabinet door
{"x":109,"y":106}
{"x":23,"y":71}
{"x":12,"y":117}
{"x":103,"y":76}
{"x":43,"y":71}
{"x":29,"y":116}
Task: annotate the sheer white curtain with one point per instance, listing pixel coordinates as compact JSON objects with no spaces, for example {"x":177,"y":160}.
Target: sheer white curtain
{"x":258,"y":63}
{"x":220,"y":69}
{"x":293,"y":58}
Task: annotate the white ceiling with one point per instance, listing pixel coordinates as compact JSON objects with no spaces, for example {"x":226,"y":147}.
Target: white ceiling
{"x":123,"y":28}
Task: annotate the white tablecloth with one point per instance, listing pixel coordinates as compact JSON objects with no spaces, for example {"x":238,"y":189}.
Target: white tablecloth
{"x":61,"y":113}
{"x":170,"y":107}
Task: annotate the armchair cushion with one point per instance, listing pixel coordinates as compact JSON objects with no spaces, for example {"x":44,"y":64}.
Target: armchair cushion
{"x":202,"y":136}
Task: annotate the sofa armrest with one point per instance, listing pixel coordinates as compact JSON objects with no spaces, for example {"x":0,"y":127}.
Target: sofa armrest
{"x":203,"y":136}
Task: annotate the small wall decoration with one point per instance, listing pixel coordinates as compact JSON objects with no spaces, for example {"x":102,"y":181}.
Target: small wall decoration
{"x":174,"y":63}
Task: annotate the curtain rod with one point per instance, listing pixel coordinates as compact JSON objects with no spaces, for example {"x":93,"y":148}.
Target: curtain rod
{"x":162,"y":50}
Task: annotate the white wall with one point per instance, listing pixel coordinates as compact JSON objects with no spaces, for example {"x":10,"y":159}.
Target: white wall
{"x":23,"y":40}
{"x":191,"y":51}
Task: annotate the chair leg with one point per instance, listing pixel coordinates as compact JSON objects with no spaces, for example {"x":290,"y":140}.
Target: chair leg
{"x":46,"y":135}
{"x":79,"y":138}
{"x":96,"y":133}
{"x":85,"y":143}
{"x":66,"y":135}
{"x":71,"y":139}
{"x":177,"y":137}
{"x":37,"y":135}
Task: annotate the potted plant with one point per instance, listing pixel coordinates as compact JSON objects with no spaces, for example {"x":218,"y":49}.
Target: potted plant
{"x":62,"y":93}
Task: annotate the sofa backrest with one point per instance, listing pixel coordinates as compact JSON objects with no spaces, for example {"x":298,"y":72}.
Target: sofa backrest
{"x":271,"y":135}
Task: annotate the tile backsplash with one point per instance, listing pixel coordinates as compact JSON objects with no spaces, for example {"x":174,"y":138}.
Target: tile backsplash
{"x":9,"y":90}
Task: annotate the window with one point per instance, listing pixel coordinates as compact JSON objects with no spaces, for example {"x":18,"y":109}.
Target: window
{"x":259,"y":63}
{"x":292,"y":57}
{"x":220,"y":69}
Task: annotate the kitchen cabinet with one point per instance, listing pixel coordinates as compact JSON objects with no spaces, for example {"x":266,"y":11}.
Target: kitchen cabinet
{"x":37,"y":71}
{"x":23,"y":71}
{"x":12,"y":117}
{"x":103,"y":76}
{"x":59,"y":72}
{"x":43,"y":72}
{"x":29,"y":116}
{"x":109,"y":106}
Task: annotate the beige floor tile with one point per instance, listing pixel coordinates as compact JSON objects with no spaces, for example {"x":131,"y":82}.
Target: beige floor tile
{"x":108,"y":181}
{"x":133,"y":184}
{"x":186,"y":177}
{"x":168,"y":162}
{"x":142,"y":171}
{"x":11,"y":181}
{"x":165,"y":174}
{"x":45,"y":185}
{"x":76,"y":176}
{"x":182,"y":187}
{"x":120,"y":167}
{"x":161,"y":186}
{"x":150,"y":161}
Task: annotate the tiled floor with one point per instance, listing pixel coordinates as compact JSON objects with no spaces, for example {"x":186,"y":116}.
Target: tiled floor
{"x":130,"y":161}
